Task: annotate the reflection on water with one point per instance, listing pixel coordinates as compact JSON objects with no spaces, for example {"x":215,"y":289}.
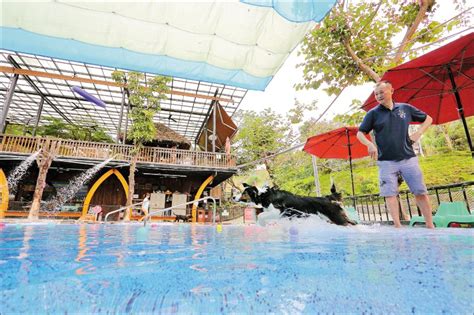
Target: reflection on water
{"x":24,"y":254}
{"x":82,"y":250}
{"x":292,"y":267}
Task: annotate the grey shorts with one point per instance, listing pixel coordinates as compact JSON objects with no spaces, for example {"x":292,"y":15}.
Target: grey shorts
{"x":410,"y":171}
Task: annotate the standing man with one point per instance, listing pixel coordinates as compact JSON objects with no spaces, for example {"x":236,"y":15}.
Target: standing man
{"x":395,"y":154}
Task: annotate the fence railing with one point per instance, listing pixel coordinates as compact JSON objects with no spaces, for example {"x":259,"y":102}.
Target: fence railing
{"x":373,"y":207}
{"x":120,"y":152}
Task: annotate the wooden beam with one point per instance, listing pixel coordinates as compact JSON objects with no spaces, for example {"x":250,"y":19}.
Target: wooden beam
{"x":42,"y":74}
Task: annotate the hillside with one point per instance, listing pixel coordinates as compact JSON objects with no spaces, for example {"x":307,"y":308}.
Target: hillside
{"x":442,"y":169}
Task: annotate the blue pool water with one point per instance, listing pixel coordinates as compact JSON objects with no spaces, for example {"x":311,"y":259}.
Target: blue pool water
{"x":291,"y":268}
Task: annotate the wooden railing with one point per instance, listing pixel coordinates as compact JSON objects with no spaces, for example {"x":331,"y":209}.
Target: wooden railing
{"x":119,"y":152}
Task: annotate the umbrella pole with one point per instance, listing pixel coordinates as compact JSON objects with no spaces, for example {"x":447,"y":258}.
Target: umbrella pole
{"x":460,"y":109}
{"x":316,"y":176}
{"x":350,"y":165}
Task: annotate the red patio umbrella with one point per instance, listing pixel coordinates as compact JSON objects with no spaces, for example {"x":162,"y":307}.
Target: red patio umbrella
{"x":340,"y":143}
{"x":440,"y":83}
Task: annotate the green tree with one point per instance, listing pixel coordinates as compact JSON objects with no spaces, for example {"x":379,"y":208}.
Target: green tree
{"x":85,"y":130}
{"x":354,"y":118}
{"x":261,"y":135}
{"x":145,"y":100}
{"x":355,"y":42}
{"x":447,"y":137}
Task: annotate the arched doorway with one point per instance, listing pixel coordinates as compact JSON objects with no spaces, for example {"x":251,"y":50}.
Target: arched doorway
{"x":109,"y":192}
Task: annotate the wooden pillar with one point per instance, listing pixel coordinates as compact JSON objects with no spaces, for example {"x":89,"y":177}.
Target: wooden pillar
{"x":44,"y":160}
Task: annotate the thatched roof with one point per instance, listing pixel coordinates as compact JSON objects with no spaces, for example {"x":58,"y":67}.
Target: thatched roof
{"x":168,"y":138}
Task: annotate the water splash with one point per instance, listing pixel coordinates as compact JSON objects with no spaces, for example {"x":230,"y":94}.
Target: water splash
{"x":19,"y":172}
{"x":67,"y":192}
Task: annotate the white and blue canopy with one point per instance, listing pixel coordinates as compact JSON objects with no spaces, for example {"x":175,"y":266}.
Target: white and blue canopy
{"x":242,"y":44}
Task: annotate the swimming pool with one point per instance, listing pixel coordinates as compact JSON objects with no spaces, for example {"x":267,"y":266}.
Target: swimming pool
{"x":294,"y":267}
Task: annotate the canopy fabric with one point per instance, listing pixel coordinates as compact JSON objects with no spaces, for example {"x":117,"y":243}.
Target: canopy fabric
{"x":229,"y":42}
{"x":297,"y":11}
{"x":335,"y":144}
{"x":225,"y":128}
{"x":424,"y":82}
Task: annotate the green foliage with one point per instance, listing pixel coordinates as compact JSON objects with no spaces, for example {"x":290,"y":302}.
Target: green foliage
{"x":354,"y":119}
{"x":260,"y":134}
{"x":369,"y":29}
{"x":296,"y":113}
{"x":58,"y":128}
{"x":311,"y":127}
{"x":296,"y":174}
{"x":434,"y":140}
{"x":18,"y":129}
{"x":145,"y":102}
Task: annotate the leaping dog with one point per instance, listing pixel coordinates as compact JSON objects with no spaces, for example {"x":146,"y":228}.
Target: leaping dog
{"x":290,"y":205}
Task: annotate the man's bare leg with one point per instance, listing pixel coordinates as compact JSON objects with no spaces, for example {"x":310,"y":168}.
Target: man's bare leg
{"x":392,"y":204}
{"x":423,"y":202}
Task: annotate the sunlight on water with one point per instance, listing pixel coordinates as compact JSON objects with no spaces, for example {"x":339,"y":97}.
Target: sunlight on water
{"x":67,"y":192}
{"x":19,"y":172}
{"x":299,"y":266}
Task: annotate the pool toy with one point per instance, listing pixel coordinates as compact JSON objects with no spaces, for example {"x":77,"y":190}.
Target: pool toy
{"x":449,"y":214}
{"x":219,"y":228}
{"x":88,"y":97}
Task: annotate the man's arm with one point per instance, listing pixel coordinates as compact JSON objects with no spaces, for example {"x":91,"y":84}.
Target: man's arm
{"x":416,"y":135}
{"x":370,"y":146}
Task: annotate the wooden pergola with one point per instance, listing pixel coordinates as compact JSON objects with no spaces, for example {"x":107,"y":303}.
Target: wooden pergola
{"x":35,"y":87}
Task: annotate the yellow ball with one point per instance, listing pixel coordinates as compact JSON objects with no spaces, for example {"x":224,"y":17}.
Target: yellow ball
{"x":219,"y":228}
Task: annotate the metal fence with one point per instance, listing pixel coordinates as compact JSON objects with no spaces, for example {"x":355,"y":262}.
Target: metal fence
{"x":373,"y":207}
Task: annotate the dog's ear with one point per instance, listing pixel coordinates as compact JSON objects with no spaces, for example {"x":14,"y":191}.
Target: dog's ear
{"x":245,"y":185}
{"x":333,"y":188}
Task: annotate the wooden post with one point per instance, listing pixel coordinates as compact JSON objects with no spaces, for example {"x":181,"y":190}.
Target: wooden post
{"x":44,"y":160}
{"x":131,"y":185}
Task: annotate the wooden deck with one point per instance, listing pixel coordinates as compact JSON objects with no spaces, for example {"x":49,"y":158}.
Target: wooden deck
{"x":24,"y":214}
{"x":118,"y":152}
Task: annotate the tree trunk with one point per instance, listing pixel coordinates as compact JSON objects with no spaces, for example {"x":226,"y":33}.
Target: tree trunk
{"x":447,"y":138}
{"x":44,"y":161}
{"x":424,"y":6}
{"x":131,"y":187}
{"x":232,"y":184}
{"x":270,"y":171}
{"x":362,"y":66}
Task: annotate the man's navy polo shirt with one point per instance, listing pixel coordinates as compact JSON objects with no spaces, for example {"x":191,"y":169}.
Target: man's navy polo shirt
{"x":391,"y":130}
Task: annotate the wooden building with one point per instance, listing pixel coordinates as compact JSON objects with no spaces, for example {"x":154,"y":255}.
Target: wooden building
{"x":187,"y":158}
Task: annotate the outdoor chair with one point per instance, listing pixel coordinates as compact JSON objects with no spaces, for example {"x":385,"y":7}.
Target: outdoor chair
{"x":449,"y":214}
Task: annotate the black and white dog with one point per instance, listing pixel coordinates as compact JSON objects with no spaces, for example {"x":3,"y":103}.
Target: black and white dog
{"x":290,"y":205}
